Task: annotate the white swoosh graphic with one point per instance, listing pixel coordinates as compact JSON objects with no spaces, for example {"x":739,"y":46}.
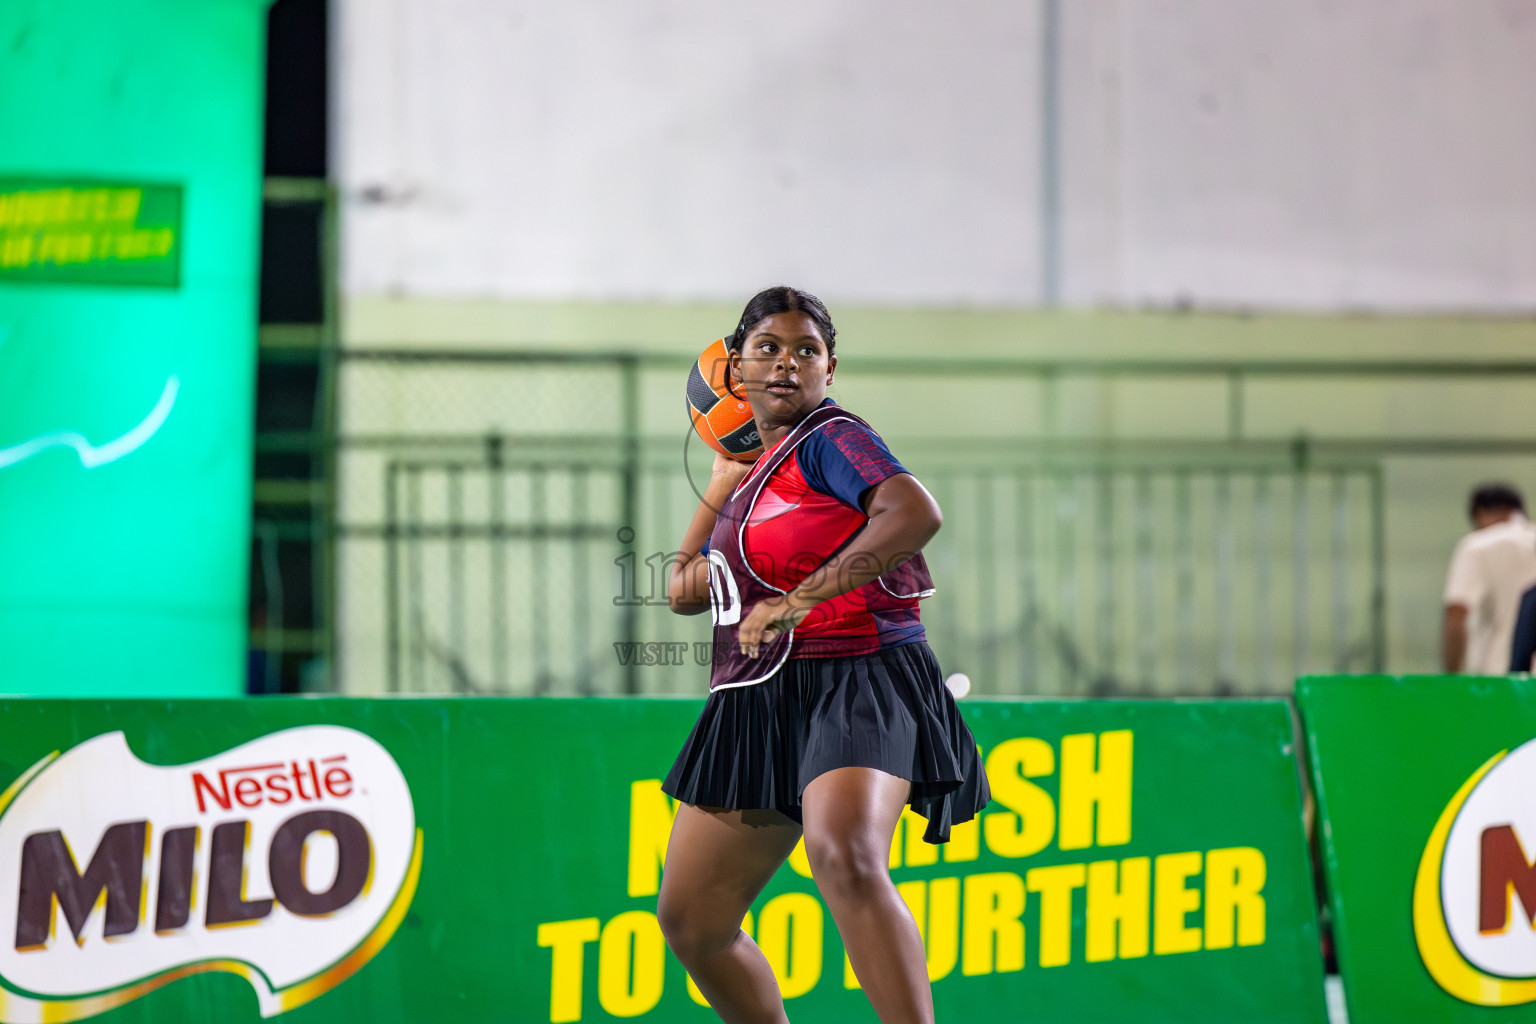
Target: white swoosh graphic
{"x":769,"y":506}
{"x":91,"y":455}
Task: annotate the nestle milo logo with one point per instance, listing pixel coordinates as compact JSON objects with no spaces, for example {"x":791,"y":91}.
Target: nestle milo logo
{"x":289,"y":859}
{"x":1474,"y":899}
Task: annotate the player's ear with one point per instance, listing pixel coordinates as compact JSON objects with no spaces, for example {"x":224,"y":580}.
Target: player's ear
{"x":733,"y":369}
{"x":831,"y":367}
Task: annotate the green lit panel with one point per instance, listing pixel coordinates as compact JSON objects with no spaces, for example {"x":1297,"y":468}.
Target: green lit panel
{"x":129,"y":236}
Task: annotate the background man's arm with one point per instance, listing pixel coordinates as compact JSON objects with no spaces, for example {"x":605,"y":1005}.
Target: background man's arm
{"x":1453,"y":638}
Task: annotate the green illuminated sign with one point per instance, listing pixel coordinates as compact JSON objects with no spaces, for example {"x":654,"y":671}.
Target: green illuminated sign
{"x":129,"y":234}
{"x":90,"y":233}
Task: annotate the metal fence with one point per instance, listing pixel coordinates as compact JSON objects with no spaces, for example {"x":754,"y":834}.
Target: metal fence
{"x":512,"y":572}
{"x":505,"y":523}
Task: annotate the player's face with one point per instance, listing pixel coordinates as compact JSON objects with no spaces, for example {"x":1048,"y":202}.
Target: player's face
{"x":784,"y":367}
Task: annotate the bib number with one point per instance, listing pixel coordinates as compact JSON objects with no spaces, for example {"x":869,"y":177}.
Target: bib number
{"x":724,"y":597}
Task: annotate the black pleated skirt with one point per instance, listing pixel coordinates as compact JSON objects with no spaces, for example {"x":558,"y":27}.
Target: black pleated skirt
{"x":759,"y":746}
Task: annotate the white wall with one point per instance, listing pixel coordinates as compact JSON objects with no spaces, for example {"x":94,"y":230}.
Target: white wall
{"x":1313,"y":154}
{"x":1373,"y":153}
{"x":684,"y":149}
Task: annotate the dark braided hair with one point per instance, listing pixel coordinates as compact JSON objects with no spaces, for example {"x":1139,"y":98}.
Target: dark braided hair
{"x":783,"y":299}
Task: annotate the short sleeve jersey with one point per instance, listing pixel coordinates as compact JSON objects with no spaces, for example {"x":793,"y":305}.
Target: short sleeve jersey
{"x":809,"y":509}
{"x":1489,"y":571}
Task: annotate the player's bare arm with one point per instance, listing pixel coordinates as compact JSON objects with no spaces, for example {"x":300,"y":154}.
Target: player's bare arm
{"x":688,"y":575}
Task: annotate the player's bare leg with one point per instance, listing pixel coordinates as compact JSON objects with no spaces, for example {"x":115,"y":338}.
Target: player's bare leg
{"x":717,"y":863}
{"x":850,"y":816}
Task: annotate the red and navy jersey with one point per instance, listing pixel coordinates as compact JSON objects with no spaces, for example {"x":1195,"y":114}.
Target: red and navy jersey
{"x":808,"y":510}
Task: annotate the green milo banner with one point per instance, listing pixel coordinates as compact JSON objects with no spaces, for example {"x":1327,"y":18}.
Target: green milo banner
{"x":499,"y":860}
{"x":1428,"y":789}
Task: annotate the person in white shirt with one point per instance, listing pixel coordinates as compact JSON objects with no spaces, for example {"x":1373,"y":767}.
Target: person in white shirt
{"x":1491,"y":567}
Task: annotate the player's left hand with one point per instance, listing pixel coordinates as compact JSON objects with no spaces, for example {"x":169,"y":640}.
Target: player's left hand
{"x":769,"y":620}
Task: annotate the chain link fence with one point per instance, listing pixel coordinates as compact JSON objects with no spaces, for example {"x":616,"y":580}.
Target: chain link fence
{"x":505,"y":521}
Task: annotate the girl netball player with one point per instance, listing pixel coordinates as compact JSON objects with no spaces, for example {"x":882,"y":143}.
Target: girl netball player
{"x":827,"y":714}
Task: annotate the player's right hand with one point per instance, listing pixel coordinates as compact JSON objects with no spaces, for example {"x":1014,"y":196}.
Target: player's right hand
{"x":728,"y":472}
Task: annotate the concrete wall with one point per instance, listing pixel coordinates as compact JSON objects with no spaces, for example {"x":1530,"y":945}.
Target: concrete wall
{"x":1364,"y":154}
